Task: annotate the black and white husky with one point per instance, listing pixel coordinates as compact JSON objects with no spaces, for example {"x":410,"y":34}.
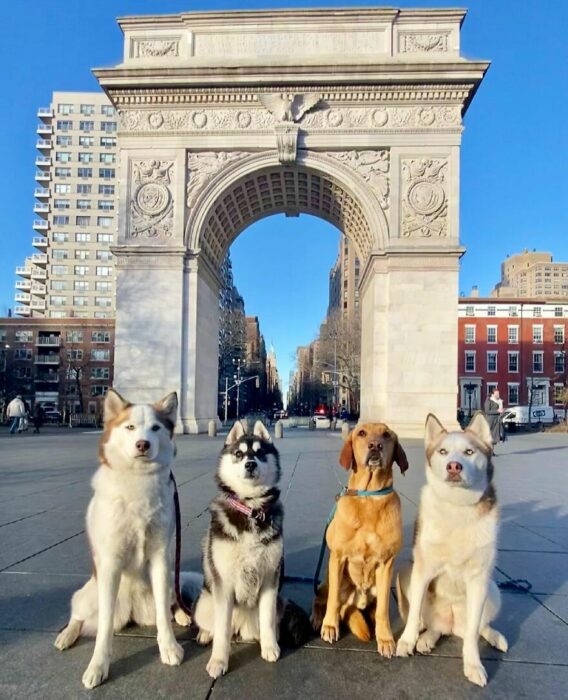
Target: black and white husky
{"x":242,"y":552}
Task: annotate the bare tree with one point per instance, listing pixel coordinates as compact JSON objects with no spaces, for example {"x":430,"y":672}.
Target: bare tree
{"x":76,"y":363}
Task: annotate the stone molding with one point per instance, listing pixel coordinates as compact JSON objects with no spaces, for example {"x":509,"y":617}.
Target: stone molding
{"x":155,"y":48}
{"x":142,"y":257}
{"x":151,"y":201}
{"x":423,"y":42}
{"x":424,"y":197}
{"x":372,"y":166}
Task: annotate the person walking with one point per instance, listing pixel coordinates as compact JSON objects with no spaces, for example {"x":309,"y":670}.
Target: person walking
{"x":493,"y":409}
{"x":39,"y":417}
{"x":16,"y":411}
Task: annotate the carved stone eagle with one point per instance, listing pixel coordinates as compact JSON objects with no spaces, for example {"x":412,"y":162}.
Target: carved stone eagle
{"x":289,"y":108}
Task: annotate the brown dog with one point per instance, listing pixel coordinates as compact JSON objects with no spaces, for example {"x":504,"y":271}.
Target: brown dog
{"x":364,"y":537}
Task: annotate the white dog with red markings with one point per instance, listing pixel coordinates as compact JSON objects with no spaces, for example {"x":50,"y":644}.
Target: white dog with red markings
{"x":448,"y":589}
{"x":130,"y":524}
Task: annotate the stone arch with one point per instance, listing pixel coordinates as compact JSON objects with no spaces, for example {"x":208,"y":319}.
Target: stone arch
{"x":258,"y":185}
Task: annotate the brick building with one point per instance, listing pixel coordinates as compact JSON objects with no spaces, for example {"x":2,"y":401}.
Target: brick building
{"x":518,"y":345}
{"x":67,"y":363}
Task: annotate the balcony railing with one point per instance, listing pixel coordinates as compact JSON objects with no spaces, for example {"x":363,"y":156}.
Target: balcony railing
{"x":47,"y":359}
{"x":43,"y":161}
{"x":53,"y":341}
{"x":38,"y":289}
{"x":22,"y":296}
{"x":39,"y":259}
{"x":39,"y":242}
{"x":22,"y":310}
{"x":41,"y":192}
{"x":43,"y":143}
{"x":39,"y":305}
{"x":23,"y":271}
{"x":43,"y":128}
{"x":42,"y":176}
{"x":44,"y":112}
{"x":39,"y":274}
{"x":40,"y":225}
{"x":50,"y":377}
{"x":41,"y":208}
{"x":23,"y":284}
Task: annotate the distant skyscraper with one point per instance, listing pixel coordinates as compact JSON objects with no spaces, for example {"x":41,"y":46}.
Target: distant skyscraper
{"x":344,"y":281}
{"x":72,"y":274}
{"x":532,"y":274}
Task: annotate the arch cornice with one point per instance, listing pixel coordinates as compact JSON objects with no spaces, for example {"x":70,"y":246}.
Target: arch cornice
{"x":343,"y":175}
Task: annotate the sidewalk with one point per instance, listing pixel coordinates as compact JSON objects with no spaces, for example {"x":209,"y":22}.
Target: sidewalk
{"x":44,"y":558}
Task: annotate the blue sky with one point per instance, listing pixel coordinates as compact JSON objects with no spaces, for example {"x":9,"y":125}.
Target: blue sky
{"x":514,"y":155}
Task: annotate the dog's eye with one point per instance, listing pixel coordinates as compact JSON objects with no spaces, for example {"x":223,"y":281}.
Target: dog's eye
{"x":443,"y":451}
{"x":386,"y":436}
{"x":155,"y":427}
{"x":362,"y":433}
{"x":469,"y":452}
{"x":238,"y":454}
{"x":129,"y":427}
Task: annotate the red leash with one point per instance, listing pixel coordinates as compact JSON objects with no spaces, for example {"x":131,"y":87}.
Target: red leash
{"x":177,"y":589}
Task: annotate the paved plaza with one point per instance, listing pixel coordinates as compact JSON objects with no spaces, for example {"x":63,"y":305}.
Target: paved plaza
{"x":44,"y":558}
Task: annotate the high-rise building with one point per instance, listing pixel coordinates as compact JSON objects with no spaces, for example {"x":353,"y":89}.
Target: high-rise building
{"x":344,"y":279}
{"x":72,"y":274}
{"x":532,"y":274}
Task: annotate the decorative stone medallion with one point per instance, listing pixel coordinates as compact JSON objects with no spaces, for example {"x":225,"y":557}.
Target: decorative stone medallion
{"x":151,"y":203}
{"x":424,"y":200}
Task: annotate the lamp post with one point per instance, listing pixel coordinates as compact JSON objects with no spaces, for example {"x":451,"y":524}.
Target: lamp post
{"x":470,"y":388}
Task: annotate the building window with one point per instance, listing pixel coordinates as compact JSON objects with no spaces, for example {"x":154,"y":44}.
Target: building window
{"x":537,"y":363}
{"x":65,"y":109}
{"x":106,"y":204}
{"x":82,"y":254}
{"x":513,"y":335}
{"x":85,"y":157}
{"x":104,"y":271}
{"x":559,"y":396}
{"x":513,"y":397}
{"x":100,"y":337}
{"x":57,"y":314}
{"x":104,"y":237}
{"x":63,"y":157}
{"x":103,"y":286}
{"x":59,"y":254}
{"x":83,"y":204}
{"x":108,"y":141}
{"x":106,"y":190}
{"x":84,"y":189}
{"x":84,"y":172}
{"x":107,"y":158}
{"x":80,"y":301}
{"x":513,"y":361}
{"x":100,"y":372}
{"x":58,"y":285}
{"x":106,"y":173}
{"x":23,"y":372}
{"x":59,"y":269}
{"x":491,"y":311}
{"x":103,"y":301}
{"x":491,"y":334}
{"x":74,"y":336}
{"x":469,"y":311}
{"x":64,"y":140}
{"x":81,"y":270}
{"x":74,"y":354}
{"x":82,"y":237}
{"x":62,"y":172}
{"x":87,"y":110}
{"x":558,"y":311}
{"x":105,"y":255}
{"x":64,"y":124}
{"x":81,"y":286}
{"x":108,"y":127}
{"x":23,"y":336}
{"x":62,"y":188}
{"x":83,"y":220}
{"x":513,"y":311}
{"x":537,"y":312}
{"x":470,"y":334}
{"x":98,"y":390}
{"x":87,"y":126}
{"x":559,"y":334}
{"x":559,"y":362}
{"x":491,"y":361}
{"x":23,"y":354}
{"x":105,"y":222}
{"x":86,"y":141}
{"x":61,"y":204}
{"x":60,"y":220}
{"x":537,"y":335}
{"x":98,"y":355}
{"x":107,"y":110}
{"x":470,"y":361}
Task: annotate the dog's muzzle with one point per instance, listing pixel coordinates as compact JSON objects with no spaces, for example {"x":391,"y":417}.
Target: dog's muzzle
{"x":375,"y":459}
{"x":454,"y":472}
{"x":250,"y":469}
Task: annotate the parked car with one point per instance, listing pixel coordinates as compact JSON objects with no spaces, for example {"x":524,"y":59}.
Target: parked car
{"x":322,"y":421}
{"x":518,"y":416}
{"x":52,"y":415}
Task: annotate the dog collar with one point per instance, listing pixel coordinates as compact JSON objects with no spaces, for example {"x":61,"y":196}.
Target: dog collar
{"x":360,"y":492}
{"x":254,"y":513}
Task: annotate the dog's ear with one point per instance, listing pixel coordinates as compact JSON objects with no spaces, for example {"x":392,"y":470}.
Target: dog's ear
{"x":346,"y":457}
{"x":480,"y":428}
{"x":114,"y":404}
{"x":434,"y":430}
{"x":400,"y":457}
{"x":260,"y":431}
{"x":168,"y":407}
{"x":236,"y":432}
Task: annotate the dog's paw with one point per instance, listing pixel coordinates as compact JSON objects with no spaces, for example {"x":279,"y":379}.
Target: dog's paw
{"x":204,"y":637}
{"x":475,"y":673}
{"x":497,"y":640}
{"x":405,"y":647}
{"x":425,"y":643}
{"x":65,"y":639}
{"x":95,"y":674}
{"x":386,"y":647}
{"x":270,"y":652}
{"x":171,"y":653}
{"x":217,"y":667}
{"x":182,"y":618}
{"x":330,"y":629}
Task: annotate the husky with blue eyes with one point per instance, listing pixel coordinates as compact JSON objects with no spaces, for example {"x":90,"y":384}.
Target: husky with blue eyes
{"x":449,"y":589}
{"x":242,"y":554}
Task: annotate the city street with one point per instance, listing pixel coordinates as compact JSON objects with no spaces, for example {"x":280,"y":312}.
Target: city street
{"x":44,"y":558}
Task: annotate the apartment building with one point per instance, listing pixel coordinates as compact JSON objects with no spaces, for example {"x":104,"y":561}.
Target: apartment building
{"x":71,"y":274}
{"x":67,"y":363}
{"x":344,"y":279}
{"x":532,"y":274}
{"x":517,"y":345}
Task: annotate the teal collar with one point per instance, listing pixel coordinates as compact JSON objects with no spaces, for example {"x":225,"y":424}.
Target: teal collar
{"x":359,"y":492}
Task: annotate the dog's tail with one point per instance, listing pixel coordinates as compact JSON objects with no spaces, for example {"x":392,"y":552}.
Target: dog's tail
{"x":355,"y":620}
{"x":295,"y":627}
{"x":402,"y":583}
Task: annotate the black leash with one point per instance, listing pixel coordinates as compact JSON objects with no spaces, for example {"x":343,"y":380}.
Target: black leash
{"x":177,"y":588}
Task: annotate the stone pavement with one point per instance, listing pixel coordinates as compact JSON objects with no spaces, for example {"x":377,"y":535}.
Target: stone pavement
{"x":44,"y":490}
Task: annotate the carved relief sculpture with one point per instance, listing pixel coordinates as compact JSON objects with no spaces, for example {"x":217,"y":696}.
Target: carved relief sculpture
{"x":424,"y":200}
{"x":202,"y":168}
{"x":373,"y":166}
{"x":423,"y":43}
{"x":287,"y":110}
{"x":151,"y":203}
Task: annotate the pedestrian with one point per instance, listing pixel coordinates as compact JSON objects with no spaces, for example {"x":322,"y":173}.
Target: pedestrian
{"x":39,"y":417}
{"x":493,"y":410}
{"x":16,"y":411}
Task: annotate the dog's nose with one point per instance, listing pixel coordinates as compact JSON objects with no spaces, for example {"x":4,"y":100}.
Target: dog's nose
{"x":142,"y":445}
{"x":250,"y":466}
{"x":375,"y":445}
{"x":453,"y":468}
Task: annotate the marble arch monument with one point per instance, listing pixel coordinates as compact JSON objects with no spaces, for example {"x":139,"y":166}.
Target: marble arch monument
{"x":354,"y":115}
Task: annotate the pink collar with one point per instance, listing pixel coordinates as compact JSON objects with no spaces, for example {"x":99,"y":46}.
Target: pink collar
{"x":255,"y":513}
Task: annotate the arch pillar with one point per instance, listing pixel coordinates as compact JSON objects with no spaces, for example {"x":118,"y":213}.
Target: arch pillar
{"x":409,"y":326}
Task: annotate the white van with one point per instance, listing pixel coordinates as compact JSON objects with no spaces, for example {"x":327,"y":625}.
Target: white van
{"x":519,"y":415}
